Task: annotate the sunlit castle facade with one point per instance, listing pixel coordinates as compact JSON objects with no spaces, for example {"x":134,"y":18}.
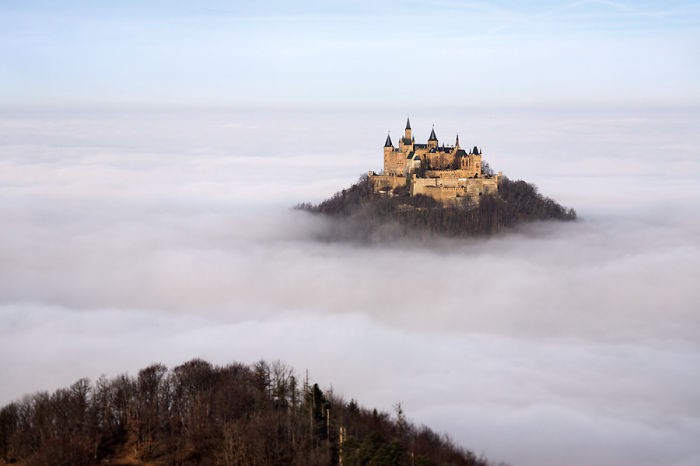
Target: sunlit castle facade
{"x":448,"y":174}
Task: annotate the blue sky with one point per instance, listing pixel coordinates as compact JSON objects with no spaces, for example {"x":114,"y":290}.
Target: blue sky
{"x":350,"y":53}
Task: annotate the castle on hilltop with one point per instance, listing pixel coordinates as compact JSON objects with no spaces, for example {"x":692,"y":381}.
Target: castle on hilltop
{"x":448,"y":174}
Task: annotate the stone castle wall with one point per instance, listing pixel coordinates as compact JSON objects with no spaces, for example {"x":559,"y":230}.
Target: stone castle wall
{"x":450,"y":189}
{"x":380,"y":182}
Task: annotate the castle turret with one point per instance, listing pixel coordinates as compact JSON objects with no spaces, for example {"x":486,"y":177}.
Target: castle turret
{"x":432,"y":140}
{"x":457,"y":142}
{"x":407,"y":141}
{"x":477,"y":161}
{"x":388,"y":141}
{"x":388,"y":150}
{"x":390,"y":157}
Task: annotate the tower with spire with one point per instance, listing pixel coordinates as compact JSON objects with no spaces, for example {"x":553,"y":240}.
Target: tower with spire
{"x":432,"y":140}
{"x":407,"y":141}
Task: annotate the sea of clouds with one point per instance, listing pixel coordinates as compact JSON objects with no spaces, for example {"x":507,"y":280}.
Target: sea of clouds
{"x":132,"y":236}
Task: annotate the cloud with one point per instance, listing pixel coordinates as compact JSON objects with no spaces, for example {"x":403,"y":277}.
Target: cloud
{"x":129,"y":238}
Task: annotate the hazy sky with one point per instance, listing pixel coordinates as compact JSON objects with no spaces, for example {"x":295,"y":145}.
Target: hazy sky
{"x":149,"y":153}
{"x":361,"y":52}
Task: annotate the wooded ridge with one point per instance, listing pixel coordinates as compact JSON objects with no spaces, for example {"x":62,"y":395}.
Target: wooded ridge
{"x":201,"y":414}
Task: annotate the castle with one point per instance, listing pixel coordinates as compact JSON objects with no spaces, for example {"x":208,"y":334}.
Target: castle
{"x":448,"y":174}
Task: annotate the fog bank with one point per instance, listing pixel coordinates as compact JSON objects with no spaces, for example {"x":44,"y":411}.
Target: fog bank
{"x":133,"y":237}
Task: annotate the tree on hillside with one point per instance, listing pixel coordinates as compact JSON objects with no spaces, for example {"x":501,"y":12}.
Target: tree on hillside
{"x":197,"y":413}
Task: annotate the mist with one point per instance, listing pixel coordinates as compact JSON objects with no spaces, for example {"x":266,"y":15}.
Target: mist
{"x":132,"y":236}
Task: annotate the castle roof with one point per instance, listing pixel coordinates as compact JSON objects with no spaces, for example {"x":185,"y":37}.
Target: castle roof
{"x":408,"y":123}
{"x":432,"y":135}
{"x":388,"y":142}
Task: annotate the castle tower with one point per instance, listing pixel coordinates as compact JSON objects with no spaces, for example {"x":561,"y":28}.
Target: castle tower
{"x":388,"y":148}
{"x":389,"y":159}
{"x":477,"y":161}
{"x":457,"y":142}
{"x":432,"y":140}
{"x":407,"y":141}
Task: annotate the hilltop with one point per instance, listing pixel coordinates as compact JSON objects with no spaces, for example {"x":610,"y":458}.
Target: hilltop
{"x":366,"y":213}
{"x":435,"y":188}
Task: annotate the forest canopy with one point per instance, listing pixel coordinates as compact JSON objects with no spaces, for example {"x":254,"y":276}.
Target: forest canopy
{"x":198,"y":413}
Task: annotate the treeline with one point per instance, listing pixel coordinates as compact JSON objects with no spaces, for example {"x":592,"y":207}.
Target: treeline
{"x":367,"y":212}
{"x":200,"y":414}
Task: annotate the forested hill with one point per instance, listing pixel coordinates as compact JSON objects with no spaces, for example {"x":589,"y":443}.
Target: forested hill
{"x":366,"y":214}
{"x":200,"y":414}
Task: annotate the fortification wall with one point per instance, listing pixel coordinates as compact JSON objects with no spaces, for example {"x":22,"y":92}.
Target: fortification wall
{"x":386,"y":181}
{"x":450,"y":190}
{"x":448,"y":174}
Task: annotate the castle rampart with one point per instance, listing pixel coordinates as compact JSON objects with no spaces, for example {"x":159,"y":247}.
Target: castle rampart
{"x":386,"y":182}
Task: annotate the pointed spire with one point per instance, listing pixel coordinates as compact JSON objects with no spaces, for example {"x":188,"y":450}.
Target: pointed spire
{"x":388,"y":141}
{"x":457,"y":141}
{"x":408,"y":123}
{"x":432,"y":135}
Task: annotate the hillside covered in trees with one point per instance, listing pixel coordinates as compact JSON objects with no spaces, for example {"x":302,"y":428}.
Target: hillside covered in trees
{"x":198,"y":413}
{"x":366,"y":214}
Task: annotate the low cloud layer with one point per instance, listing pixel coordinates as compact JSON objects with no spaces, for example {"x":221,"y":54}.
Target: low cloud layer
{"x":128,"y":239}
